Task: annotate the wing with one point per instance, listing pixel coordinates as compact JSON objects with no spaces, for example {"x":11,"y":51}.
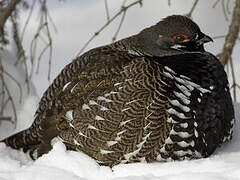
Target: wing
{"x":57,"y":98}
{"x":117,"y":114}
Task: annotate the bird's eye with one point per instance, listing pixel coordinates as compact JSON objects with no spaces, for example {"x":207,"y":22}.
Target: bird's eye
{"x":181,"y":37}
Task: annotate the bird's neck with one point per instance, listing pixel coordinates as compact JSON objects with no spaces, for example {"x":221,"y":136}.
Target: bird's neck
{"x":129,"y":45}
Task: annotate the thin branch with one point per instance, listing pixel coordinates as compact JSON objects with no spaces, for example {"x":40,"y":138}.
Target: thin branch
{"x":42,"y":31}
{"x":49,"y":45}
{"x":16,"y":38}
{"x":106,"y":9}
{"x":228,"y":7}
{"x":5,"y":118}
{"x":2,"y":70}
{"x":192,"y":9}
{"x":12,"y":103}
{"x":44,"y":19}
{"x":40,"y":57}
{"x":232,"y":35}
{"x":15,"y":81}
{"x":122,"y":10}
{"x":234,"y":85}
{"x":33,"y":47}
{"x":224,"y":10}
{"x":51,"y":21}
{"x":215,"y":4}
{"x":6,"y":12}
{"x":219,"y":37}
{"x":6,"y":89}
{"x":28,"y":19}
{"x":234,"y":80}
{"x":119,"y":26}
{"x":169,"y":2}
{"x":20,"y":50}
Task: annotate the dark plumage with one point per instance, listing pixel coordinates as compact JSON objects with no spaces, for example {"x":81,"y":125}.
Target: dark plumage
{"x":153,"y":96}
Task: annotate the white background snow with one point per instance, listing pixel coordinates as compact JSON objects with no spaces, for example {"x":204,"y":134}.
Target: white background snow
{"x":76,"y":22}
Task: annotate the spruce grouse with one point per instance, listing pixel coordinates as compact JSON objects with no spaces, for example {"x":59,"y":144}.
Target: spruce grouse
{"x":154,"y":96}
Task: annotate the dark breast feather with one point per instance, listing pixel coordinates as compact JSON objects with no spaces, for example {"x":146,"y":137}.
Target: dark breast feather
{"x":214,"y":109}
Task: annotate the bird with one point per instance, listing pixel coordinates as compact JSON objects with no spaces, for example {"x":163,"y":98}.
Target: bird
{"x":153,"y":96}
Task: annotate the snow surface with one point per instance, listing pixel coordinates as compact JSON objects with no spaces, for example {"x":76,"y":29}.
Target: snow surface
{"x":61,"y":164}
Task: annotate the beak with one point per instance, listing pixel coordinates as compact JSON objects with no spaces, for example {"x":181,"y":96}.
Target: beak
{"x":205,"y":39}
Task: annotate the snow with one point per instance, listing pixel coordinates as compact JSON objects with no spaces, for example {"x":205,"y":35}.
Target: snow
{"x":62,"y":164}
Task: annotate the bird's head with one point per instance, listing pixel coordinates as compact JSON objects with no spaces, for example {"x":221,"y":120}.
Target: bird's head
{"x":173,"y":35}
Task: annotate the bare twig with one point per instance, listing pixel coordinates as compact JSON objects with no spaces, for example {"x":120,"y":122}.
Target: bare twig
{"x":6,"y":118}
{"x":49,"y":45}
{"x":51,"y":21}
{"x":119,"y":26}
{"x":234,"y":85}
{"x":227,"y":7}
{"x":215,"y":4}
{"x":6,"y":12}
{"x":5,"y":88}
{"x":224,"y":10}
{"x":232,"y":35}
{"x":14,"y":80}
{"x":122,"y":10}
{"x":20,"y":53}
{"x":219,"y":37}
{"x":20,"y":50}
{"x":106,"y":9}
{"x":28,"y":19}
{"x":43,"y":31}
{"x":192,"y":9}
{"x":40,"y":57}
{"x":169,"y":2}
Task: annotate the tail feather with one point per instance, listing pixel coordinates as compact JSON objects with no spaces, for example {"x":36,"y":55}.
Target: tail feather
{"x":25,"y":139}
{"x":37,"y":137}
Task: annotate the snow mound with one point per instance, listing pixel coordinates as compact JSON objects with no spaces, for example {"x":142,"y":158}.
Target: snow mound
{"x":62,"y":164}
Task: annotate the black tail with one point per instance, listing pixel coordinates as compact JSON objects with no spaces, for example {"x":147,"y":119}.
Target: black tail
{"x":26,"y":139}
{"x":37,"y":137}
